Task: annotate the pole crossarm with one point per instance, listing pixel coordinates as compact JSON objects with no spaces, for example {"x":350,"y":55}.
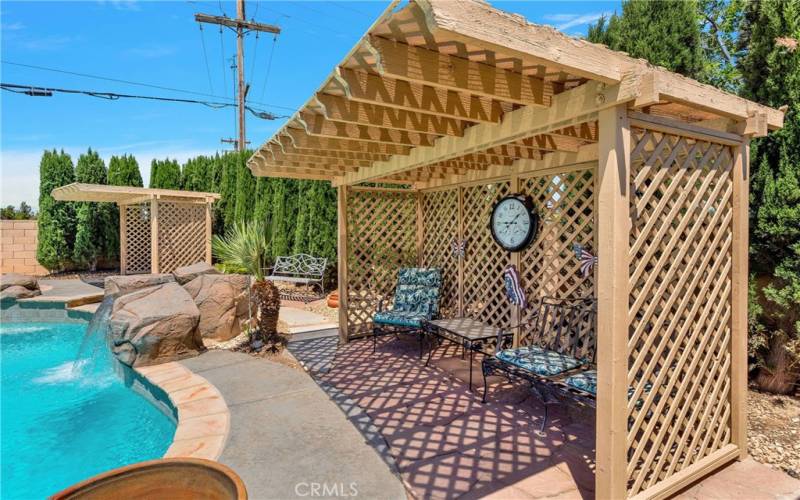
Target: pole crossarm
{"x":237,"y":23}
{"x":567,"y":109}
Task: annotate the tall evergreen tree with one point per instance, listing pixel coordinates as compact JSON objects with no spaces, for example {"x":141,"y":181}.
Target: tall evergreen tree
{"x":56,"y":218}
{"x":227,"y":189}
{"x":165,"y":174}
{"x":770,"y":67}
{"x":92,"y":218}
{"x":263,"y":208}
{"x":122,"y":171}
{"x":280,"y":241}
{"x":665,"y":33}
{"x":197,"y":174}
{"x":245,"y":188}
{"x":305,"y":204}
{"x":322,"y":227}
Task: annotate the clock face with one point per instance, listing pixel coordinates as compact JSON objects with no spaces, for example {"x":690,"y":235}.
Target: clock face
{"x":514,"y":223}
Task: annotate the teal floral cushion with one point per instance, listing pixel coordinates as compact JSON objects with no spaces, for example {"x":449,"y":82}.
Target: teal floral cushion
{"x":422,"y":276}
{"x":539,"y":361}
{"x":400,"y":318}
{"x":587,"y":382}
{"x":418,"y":291}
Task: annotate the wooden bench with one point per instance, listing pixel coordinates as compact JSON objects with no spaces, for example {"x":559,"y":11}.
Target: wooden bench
{"x":300,"y":269}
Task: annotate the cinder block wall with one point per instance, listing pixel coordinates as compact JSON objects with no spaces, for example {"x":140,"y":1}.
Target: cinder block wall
{"x":18,"y":247}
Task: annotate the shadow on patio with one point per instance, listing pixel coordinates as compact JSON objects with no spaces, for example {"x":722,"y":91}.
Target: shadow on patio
{"x":430,"y":428}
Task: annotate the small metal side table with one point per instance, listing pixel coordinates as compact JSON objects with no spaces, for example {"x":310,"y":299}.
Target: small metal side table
{"x":472,"y":335}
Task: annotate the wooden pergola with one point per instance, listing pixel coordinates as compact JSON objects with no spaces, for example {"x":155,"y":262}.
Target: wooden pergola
{"x":159,"y":229}
{"x":455,"y":103}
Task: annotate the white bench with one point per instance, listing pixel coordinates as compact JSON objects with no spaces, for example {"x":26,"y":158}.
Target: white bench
{"x":302,"y":269}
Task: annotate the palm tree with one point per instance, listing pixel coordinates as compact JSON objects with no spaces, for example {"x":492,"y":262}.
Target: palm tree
{"x":245,"y":246}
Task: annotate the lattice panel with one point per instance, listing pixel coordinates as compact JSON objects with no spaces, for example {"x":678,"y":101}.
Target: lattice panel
{"x":550,"y":266}
{"x":137,"y":238}
{"x":181,"y":235}
{"x":483,"y":290}
{"x":440,"y":230}
{"x":680,"y":304}
{"x":381,"y":238}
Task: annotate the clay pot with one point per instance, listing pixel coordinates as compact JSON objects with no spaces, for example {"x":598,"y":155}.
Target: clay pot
{"x":333,"y":299}
{"x":173,"y":478}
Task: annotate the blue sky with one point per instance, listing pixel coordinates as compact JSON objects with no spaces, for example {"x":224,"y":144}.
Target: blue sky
{"x":159,"y":43}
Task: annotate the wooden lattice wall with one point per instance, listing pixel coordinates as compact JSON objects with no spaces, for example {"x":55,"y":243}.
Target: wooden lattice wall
{"x":679,"y":311}
{"x":181,"y":235}
{"x":381,"y":238}
{"x":136,"y":238}
{"x":473,"y":285}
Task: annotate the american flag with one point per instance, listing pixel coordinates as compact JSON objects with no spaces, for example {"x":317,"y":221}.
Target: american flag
{"x":585,"y":257}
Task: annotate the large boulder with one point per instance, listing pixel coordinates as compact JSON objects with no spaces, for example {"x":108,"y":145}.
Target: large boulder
{"x":222,"y":301}
{"x":15,"y":292}
{"x":186,"y":274}
{"x":120,"y":285}
{"x":155,"y":325}
{"x":15,"y":279}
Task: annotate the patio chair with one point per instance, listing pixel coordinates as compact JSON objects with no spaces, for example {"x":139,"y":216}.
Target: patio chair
{"x":560,"y":359}
{"x":416,"y":300}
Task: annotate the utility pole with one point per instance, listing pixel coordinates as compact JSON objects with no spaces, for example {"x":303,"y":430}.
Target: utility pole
{"x":241,"y":26}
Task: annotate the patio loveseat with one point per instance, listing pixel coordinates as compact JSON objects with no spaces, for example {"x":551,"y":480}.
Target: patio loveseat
{"x":559,"y":360}
{"x":416,"y":300}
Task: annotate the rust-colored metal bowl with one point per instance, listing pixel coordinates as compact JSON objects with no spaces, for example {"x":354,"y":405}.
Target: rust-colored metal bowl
{"x":168,"y":478}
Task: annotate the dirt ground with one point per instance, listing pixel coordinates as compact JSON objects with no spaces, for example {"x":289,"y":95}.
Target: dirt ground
{"x":774,"y":430}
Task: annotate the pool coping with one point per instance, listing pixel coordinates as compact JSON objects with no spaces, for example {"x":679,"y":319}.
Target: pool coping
{"x":203,"y":417}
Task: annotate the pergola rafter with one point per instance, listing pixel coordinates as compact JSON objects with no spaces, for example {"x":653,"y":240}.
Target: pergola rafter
{"x":458,"y":104}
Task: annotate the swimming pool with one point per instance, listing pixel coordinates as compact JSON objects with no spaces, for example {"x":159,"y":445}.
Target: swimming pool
{"x":61,"y":425}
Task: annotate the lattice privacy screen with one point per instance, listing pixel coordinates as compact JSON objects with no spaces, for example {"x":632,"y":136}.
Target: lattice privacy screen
{"x":181,"y":235}
{"x":680,"y":304}
{"x":137,"y":238}
{"x":472,"y":285}
{"x":381,"y":239}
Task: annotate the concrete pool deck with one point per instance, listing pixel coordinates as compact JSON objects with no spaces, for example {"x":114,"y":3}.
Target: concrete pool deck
{"x":287,"y":438}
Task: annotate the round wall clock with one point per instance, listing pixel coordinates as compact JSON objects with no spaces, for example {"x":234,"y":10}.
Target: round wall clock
{"x":514,"y":222}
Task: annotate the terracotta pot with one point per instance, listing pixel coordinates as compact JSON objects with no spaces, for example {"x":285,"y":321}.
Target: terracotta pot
{"x":333,"y":299}
{"x":173,"y":478}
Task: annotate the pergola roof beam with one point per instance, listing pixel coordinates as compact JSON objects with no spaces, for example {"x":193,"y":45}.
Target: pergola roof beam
{"x":374,"y":89}
{"x":318,"y":125}
{"x":568,"y":108}
{"x":428,"y":67}
{"x":342,"y":110}
{"x":303,"y":140}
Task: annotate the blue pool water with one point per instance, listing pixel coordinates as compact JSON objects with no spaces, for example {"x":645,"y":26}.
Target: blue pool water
{"x":61,"y":425}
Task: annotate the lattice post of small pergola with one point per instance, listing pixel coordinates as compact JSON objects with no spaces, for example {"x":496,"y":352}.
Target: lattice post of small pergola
{"x":665,"y":208}
{"x":160,"y":229}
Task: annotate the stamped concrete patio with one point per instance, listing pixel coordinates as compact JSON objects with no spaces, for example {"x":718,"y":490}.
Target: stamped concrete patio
{"x":428,"y":425}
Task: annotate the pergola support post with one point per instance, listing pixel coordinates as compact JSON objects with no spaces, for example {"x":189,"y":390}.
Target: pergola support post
{"x":341,"y":217}
{"x":123,"y":239}
{"x":613,"y":229}
{"x":209,"y":222}
{"x":739,"y":286}
{"x":154,"y":263}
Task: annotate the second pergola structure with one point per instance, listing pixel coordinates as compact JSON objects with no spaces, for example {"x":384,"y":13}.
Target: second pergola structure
{"x":159,"y":229}
{"x":445,"y":106}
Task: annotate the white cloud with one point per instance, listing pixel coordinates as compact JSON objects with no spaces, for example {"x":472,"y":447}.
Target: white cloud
{"x":52,"y":42}
{"x":19,"y":169}
{"x":12,"y":26}
{"x":567,"y":21}
{"x":129,"y":5}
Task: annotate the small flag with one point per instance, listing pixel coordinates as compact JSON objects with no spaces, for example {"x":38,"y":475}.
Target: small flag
{"x":514,"y":291}
{"x":585,"y":257}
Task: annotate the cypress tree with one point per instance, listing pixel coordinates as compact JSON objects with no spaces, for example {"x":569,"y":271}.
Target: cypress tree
{"x":665,"y":33}
{"x":227,"y":190}
{"x":165,"y":174}
{"x":92,"y":218}
{"x":122,"y":171}
{"x":56,"y":218}
{"x":322,"y":227}
{"x":280,"y":218}
{"x":770,"y":67}
{"x":263,"y":208}
{"x":217,"y":169}
{"x":245,"y":188}
{"x":305,"y":204}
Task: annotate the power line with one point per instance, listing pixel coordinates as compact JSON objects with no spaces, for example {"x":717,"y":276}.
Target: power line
{"x":205,"y":57}
{"x":36,"y":91}
{"x":138,"y":84}
{"x":269,"y":67}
